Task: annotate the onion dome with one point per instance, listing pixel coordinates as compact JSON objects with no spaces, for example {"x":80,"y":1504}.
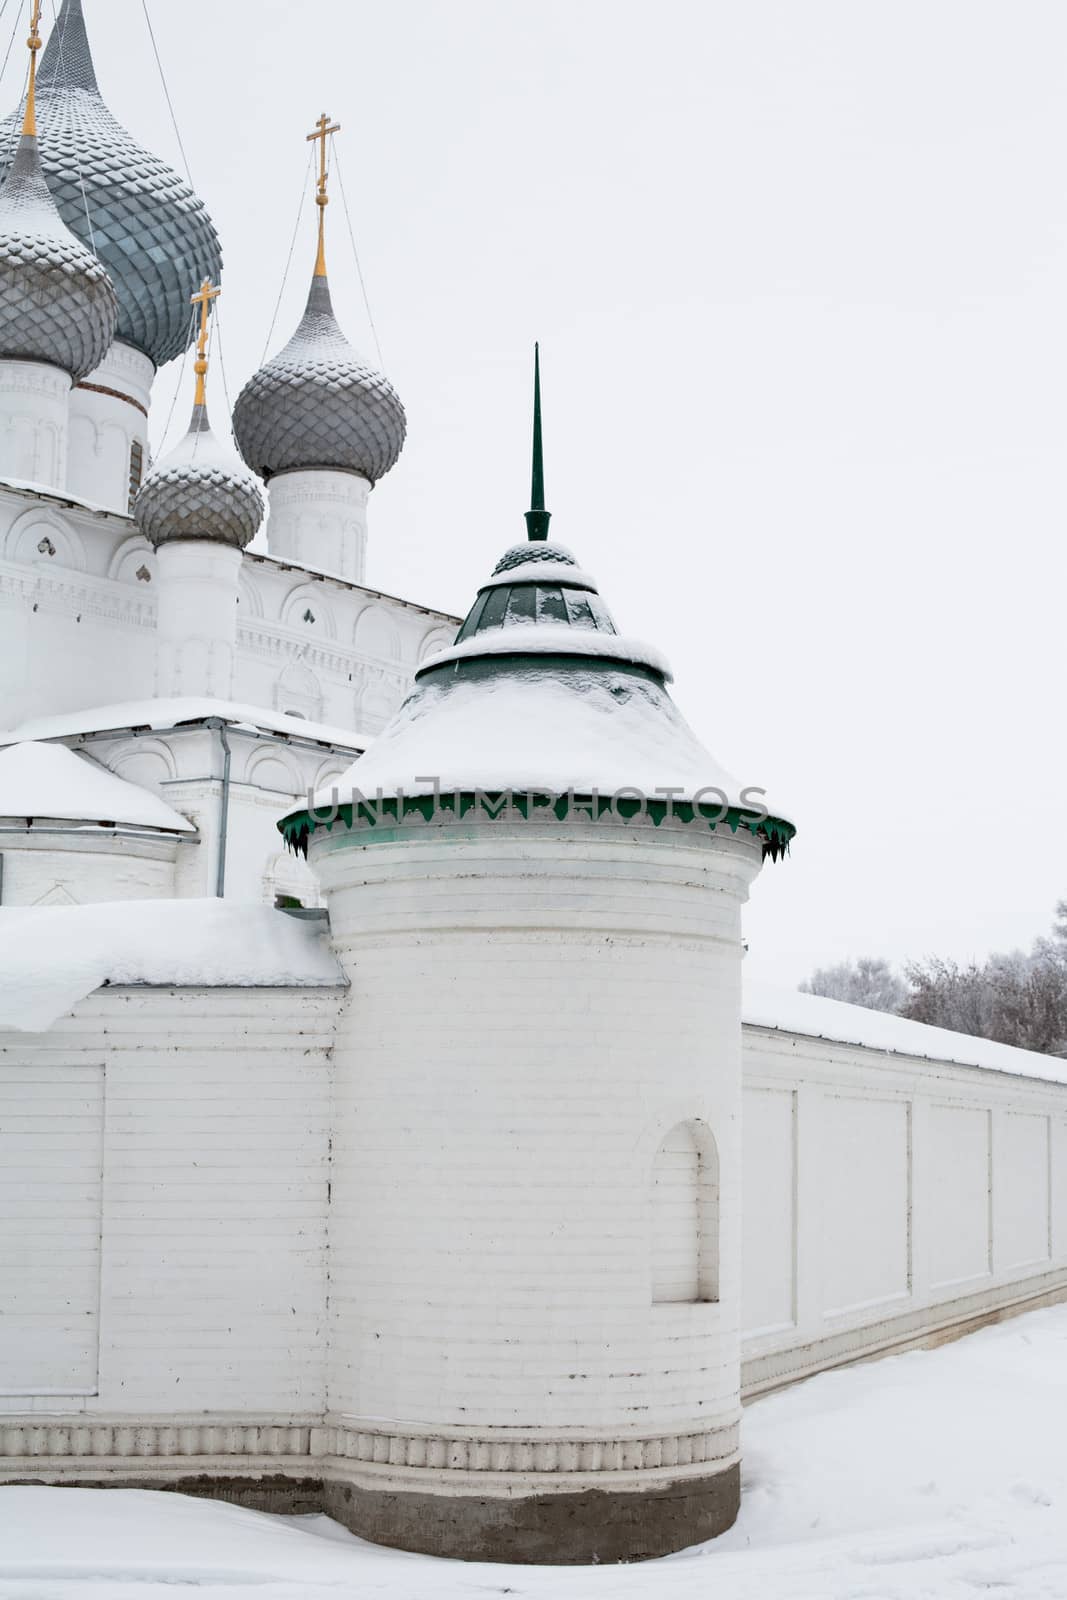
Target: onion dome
{"x":540,"y":701}
{"x":151,"y":231}
{"x":57,"y":303}
{"x":200,"y":491}
{"x":317,"y":406}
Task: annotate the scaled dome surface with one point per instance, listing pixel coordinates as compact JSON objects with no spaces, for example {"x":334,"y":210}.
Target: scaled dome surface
{"x":200,"y":491}
{"x":151,"y":231}
{"x":316,"y":406}
{"x":57,"y":302}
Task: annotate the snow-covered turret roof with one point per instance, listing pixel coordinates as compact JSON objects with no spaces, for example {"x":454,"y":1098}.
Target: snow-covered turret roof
{"x":541,"y":694}
{"x":49,"y":782}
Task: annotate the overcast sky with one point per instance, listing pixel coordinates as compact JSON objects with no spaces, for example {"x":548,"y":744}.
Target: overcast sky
{"x":799,"y":271}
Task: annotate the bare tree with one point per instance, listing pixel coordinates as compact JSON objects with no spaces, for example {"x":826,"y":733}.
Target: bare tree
{"x":869,"y":982}
{"x":1015,"y":999}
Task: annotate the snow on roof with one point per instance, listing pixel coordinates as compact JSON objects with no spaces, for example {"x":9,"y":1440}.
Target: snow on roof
{"x":285,"y":565}
{"x":164,"y":714}
{"x":60,"y":497}
{"x":542,"y":572}
{"x":599,"y":730}
{"x":789,"y":1011}
{"x":547,"y":639}
{"x":53,"y":956}
{"x":50,"y":781}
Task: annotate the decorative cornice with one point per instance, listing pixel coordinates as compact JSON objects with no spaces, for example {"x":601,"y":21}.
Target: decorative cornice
{"x":57,"y":1440}
{"x":53,"y":594}
{"x":107,"y":1440}
{"x":447,"y":1452}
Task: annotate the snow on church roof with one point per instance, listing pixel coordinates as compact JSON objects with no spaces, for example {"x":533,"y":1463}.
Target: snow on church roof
{"x":815,"y":1017}
{"x":50,"y":781}
{"x":164,"y":714}
{"x":53,"y":956}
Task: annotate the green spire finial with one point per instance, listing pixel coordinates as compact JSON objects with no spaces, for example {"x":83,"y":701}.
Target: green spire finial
{"x":537,"y":518}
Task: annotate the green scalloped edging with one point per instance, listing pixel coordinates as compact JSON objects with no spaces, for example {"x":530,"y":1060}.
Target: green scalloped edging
{"x":389,"y":814}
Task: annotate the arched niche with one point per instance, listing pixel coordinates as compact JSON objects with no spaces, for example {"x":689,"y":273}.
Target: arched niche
{"x":134,"y":562}
{"x":306,"y":609}
{"x":298,"y":692}
{"x":288,"y":876}
{"x":437,"y":639}
{"x":149,"y":765}
{"x":685,"y":1216}
{"x":42,"y":538}
{"x":376,"y":635}
{"x":274,"y":770}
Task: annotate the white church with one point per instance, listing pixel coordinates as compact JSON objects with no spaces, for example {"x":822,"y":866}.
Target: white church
{"x":385,"y":1127}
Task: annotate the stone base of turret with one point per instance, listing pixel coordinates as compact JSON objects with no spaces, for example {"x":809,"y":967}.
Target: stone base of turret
{"x":573,"y":1528}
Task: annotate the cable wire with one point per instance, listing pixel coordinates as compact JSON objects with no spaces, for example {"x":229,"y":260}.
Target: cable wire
{"x":11,"y":46}
{"x":359,"y":269}
{"x":166,"y":91}
{"x":289,"y":258}
{"x":177,"y":388}
{"x":216,"y":334}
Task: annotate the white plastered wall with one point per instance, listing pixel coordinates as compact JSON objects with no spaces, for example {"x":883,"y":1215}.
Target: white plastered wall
{"x":888,"y":1197}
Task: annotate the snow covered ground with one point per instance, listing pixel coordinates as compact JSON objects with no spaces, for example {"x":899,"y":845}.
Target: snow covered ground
{"x":939,"y":1475}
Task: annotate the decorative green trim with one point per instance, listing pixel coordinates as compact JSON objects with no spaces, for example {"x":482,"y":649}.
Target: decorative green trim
{"x":387,"y":815}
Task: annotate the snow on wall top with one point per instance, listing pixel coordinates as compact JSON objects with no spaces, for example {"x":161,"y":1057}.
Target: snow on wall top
{"x":814,"y":1017}
{"x":162,"y":714}
{"x":53,"y":956}
{"x":50,"y":781}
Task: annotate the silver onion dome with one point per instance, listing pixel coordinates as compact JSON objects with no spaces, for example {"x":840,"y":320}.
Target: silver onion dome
{"x":200,"y":491}
{"x":317,"y":406}
{"x":57,"y":303}
{"x":151,"y":231}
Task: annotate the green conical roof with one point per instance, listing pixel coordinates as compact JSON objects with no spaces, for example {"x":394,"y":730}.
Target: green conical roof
{"x":540,"y":696}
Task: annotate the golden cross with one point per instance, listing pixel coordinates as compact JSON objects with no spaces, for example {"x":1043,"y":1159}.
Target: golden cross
{"x":323,"y":129}
{"x":29,"y":122}
{"x":203,"y":298}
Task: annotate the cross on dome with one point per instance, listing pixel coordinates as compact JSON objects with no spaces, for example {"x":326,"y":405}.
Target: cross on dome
{"x":29,"y":123}
{"x":323,"y":129}
{"x":316,"y":406}
{"x":203,"y":298}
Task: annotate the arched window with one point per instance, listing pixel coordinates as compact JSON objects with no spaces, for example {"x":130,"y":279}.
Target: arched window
{"x":685,"y":1217}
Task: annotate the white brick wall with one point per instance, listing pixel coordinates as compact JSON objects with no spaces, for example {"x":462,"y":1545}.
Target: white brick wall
{"x":531,"y":1012}
{"x":210,"y":1185}
{"x":56,"y":867}
{"x":888,"y":1197}
{"x":502,"y":1088}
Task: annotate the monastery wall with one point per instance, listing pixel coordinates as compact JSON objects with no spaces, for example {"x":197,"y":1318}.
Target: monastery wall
{"x":163,"y":1196}
{"x":888,"y":1198}
{"x":165,"y":1171}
